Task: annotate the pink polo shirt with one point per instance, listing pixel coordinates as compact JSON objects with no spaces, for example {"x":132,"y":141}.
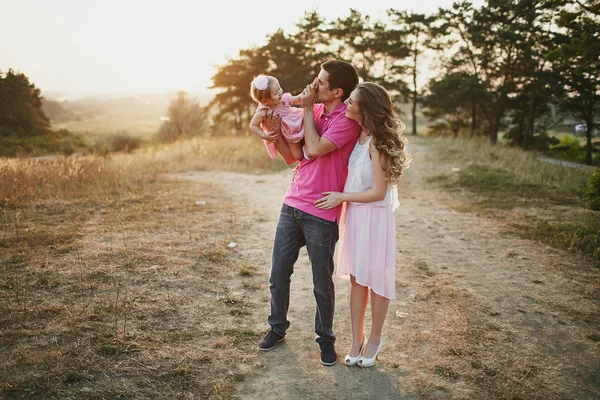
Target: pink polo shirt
{"x":326,"y":173}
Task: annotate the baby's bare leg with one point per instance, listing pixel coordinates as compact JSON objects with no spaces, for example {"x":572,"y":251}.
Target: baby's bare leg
{"x":296,"y":149}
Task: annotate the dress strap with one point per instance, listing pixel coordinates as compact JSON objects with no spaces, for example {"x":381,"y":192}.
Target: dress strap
{"x":364,"y":154}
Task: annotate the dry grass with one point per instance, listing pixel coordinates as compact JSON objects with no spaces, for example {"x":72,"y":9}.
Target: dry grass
{"x":114,"y":283}
{"x":538,"y":200}
{"x":29,"y":180}
{"x":459,"y":349}
{"x":524,"y":168}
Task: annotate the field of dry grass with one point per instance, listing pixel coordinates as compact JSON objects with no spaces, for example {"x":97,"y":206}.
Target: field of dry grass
{"x":117,"y":281}
{"x":109,"y":273}
{"x":539,"y":200}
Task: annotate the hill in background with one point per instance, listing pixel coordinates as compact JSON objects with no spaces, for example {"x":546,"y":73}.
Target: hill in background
{"x":98,"y":114}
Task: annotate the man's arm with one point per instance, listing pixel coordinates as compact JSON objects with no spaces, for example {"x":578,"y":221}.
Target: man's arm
{"x":316,"y":146}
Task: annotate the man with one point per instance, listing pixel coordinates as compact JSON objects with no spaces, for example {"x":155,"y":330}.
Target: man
{"x":329,"y":139}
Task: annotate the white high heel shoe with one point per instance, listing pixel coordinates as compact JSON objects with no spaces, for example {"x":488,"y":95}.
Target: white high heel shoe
{"x":349,"y":360}
{"x":369,"y":362}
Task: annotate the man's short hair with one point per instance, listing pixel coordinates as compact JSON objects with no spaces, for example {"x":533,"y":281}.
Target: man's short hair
{"x":342,"y":75}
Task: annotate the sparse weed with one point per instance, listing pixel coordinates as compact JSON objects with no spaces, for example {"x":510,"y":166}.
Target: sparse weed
{"x":245,"y":269}
{"x":107,"y":248}
{"x":502,"y":181}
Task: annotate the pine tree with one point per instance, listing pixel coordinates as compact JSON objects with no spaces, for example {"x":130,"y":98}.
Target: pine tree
{"x":21,"y":111}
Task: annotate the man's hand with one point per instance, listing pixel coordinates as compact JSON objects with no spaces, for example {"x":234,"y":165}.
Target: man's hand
{"x":307,"y":97}
{"x":270,"y":136}
{"x":272,"y":122}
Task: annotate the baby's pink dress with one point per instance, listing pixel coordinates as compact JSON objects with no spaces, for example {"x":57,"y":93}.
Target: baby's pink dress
{"x":292,"y":126}
{"x":367,"y":248}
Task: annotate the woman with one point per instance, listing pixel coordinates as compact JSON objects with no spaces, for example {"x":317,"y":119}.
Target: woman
{"x":367,"y":253}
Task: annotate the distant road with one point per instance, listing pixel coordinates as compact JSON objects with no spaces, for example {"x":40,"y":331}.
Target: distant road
{"x":565,"y":163}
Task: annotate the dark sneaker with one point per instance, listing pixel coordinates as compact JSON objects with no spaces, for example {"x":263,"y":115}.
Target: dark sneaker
{"x":270,"y":340}
{"x":328,"y":354}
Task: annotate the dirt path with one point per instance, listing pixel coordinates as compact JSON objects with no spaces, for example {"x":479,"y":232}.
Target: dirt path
{"x":480,"y":313}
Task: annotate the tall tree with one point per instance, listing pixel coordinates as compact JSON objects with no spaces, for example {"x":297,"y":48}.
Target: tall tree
{"x":293,"y":59}
{"x":501,"y":52}
{"x":576,"y":62}
{"x":354,"y":39}
{"x":448,"y":104}
{"x":532,"y":31}
{"x":453,"y":38}
{"x":488,"y":49}
{"x":21,"y":111}
{"x":313,"y":46}
{"x":186,"y":118}
{"x":414,"y":29}
{"x":233,"y":103}
{"x":377,"y":52}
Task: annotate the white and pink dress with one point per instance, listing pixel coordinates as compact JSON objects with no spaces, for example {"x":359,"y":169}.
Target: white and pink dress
{"x":367,"y":247}
{"x":292,"y":122}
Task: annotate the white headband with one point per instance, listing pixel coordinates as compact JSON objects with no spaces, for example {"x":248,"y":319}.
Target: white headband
{"x":261,"y":82}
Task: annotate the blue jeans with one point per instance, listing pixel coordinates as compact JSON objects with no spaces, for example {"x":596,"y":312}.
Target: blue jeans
{"x":296,"y":229}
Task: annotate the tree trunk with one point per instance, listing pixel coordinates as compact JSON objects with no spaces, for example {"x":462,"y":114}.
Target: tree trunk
{"x":494,"y":135}
{"x":250,"y":115}
{"x":527,"y":138}
{"x":238,"y":122}
{"x":494,"y":130}
{"x":473,"y":118}
{"x":498,"y":114}
{"x":588,"y":135}
{"x":414,"y":107}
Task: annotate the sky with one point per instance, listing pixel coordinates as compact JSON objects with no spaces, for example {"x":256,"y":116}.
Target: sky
{"x":135,"y":46}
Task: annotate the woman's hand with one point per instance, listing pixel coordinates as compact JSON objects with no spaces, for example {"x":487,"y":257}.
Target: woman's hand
{"x":331,"y":200}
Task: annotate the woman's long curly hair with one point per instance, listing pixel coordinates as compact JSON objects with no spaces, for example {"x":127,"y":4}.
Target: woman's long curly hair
{"x":380,"y":120}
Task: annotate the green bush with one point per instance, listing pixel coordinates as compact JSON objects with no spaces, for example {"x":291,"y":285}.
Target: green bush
{"x":569,"y":148}
{"x":121,"y":142}
{"x":540,"y":141}
{"x":592,"y":193}
{"x":16,"y":144}
{"x":124,"y":142}
{"x":69,"y":143}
